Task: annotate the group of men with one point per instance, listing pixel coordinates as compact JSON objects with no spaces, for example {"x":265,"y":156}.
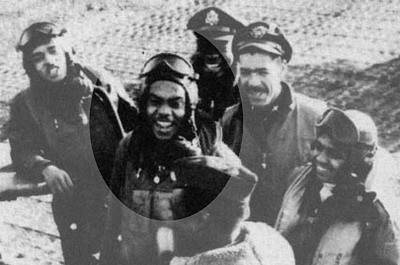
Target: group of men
{"x":212,"y":155}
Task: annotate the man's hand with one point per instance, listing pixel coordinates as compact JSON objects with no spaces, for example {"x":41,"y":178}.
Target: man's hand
{"x":57,"y":179}
{"x":186,"y":148}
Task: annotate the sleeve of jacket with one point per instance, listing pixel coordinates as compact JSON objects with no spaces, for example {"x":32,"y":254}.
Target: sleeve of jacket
{"x":110,"y":243}
{"x":28,"y":146}
{"x":386,"y":241}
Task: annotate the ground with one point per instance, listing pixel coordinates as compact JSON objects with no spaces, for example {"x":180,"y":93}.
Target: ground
{"x":345,"y":52}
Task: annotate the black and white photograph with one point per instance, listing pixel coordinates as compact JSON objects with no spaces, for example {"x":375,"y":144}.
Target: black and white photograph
{"x":193,"y":132}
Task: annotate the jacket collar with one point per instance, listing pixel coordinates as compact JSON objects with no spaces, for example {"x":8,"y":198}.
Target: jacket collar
{"x":285,"y":101}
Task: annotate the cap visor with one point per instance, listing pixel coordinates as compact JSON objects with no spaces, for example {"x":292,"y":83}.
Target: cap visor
{"x":226,"y":38}
{"x":262,"y":46}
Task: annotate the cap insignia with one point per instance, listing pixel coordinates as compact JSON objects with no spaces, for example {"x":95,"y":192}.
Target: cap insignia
{"x":212,"y":18}
{"x":258,"y":32}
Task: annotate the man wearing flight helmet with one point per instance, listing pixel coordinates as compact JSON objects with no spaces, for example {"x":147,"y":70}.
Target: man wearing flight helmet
{"x":214,"y":30}
{"x":334,"y":213}
{"x":169,"y":128}
{"x":272,"y":128}
{"x":53,"y":138}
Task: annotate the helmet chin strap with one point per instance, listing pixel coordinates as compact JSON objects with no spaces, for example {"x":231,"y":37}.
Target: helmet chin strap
{"x":193,"y":122}
{"x":193,"y":128}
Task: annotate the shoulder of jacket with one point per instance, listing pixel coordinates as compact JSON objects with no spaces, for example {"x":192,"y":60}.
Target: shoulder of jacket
{"x":102,"y":78}
{"x":105,"y":94}
{"x":24,"y":100}
{"x":310,"y":105}
{"x":95,"y":74}
{"x":108,"y":84}
{"x":20,"y":96}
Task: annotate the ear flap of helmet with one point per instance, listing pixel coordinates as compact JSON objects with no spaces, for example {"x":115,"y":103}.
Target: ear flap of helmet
{"x":361,"y":161}
{"x":193,"y":94}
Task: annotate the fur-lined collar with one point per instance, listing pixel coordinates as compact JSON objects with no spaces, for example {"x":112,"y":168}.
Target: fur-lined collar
{"x":257,"y":244}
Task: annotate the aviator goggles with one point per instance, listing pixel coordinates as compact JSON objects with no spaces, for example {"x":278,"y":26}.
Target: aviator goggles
{"x":38,"y":31}
{"x":168,"y":61}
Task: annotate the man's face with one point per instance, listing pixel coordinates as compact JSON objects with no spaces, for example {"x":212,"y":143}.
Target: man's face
{"x":330,"y":159}
{"x":223,"y":52}
{"x":260,"y":77}
{"x":213,"y":62}
{"x":50,"y":61}
{"x":165,"y":108}
{"x":217,"y":56}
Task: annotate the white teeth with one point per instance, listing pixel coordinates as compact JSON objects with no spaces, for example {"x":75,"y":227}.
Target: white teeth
{"x":164,"y":124}
{"x":212,"y":65}
{"x":256,"y":94}
{"x":53,"y":71}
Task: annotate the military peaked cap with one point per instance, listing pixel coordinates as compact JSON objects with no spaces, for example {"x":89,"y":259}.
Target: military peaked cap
{"x":262,"y":36}
{"x":213,"y":23}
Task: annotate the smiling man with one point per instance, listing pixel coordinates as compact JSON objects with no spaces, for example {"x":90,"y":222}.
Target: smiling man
{"x":272,"y":128}
{"x":147,"y":190}
{"x":330,"y":163}
{"x":214,"y":30}
{"x":335,"y":211}
{"x":166,"y":108}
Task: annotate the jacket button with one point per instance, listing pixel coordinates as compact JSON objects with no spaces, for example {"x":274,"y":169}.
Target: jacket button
{"x":156,"y":179}
{"x":173,"y":176}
